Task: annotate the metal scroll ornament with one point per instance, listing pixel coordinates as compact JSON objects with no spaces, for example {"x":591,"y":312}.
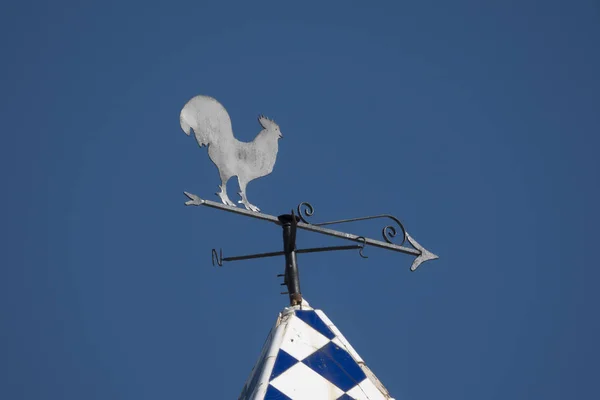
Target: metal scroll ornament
{"x":388,"y":232}
{"x":306,"y":210}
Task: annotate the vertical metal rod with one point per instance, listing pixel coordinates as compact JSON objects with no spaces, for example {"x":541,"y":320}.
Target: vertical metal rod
{"x":292,"y":278}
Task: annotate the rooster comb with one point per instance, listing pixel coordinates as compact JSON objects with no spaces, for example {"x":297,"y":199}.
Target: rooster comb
{"x":266,"y":122}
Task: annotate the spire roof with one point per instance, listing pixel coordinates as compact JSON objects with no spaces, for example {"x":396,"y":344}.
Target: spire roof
{"x":306,"y":357}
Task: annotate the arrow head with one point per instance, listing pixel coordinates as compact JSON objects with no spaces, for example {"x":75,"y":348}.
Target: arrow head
{"x":425,"y":255}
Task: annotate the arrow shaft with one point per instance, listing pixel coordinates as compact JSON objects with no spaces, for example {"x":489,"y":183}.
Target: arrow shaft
{"x":235,"y":210}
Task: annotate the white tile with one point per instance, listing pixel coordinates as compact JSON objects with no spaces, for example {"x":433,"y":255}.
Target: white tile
{"x":302,"y":383}
{"x":301,"y":340}
{"x":366,"y":390}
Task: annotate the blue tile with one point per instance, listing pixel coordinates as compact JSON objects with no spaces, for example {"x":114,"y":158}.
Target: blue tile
{"x":336,"y":365}
{"x":282,"y":363}
{"x":345,"y":397}
{"x":274,"y":394}
{"x":312,"y":319}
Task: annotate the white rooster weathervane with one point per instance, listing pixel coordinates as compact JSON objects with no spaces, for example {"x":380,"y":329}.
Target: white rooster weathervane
{"x":210,"y":123}
{"x":305,"y":356}
{"x":212,"y":126}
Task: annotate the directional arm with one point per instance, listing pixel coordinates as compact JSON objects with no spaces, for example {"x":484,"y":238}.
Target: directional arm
{"x":418,"y":251}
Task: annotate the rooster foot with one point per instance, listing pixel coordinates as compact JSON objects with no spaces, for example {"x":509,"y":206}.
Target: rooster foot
{"x":249,"y":206}
{"x":225,"y":199}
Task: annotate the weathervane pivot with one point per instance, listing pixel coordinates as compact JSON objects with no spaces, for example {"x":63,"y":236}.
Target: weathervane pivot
{"x":211,"y":125}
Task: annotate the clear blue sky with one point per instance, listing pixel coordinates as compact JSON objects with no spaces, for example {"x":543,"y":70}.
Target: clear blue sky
{"x":476,"y":123}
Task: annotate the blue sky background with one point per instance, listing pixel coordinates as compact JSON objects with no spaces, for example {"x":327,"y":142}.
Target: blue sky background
{"x":476,"y":123}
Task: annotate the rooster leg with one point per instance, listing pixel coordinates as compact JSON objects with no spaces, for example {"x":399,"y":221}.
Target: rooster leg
{"x":223,"y":193}
{"x":244,"y":200}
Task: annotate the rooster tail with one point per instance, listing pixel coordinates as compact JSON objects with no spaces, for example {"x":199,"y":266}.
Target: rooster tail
{"x":207,"y":118}
{"x":184,"y":125}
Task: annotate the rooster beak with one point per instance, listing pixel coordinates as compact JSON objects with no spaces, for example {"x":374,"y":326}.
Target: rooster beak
{"x":280,"y":135}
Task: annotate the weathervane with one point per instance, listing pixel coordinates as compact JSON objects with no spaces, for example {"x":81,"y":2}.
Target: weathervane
{"x":211,"y":125}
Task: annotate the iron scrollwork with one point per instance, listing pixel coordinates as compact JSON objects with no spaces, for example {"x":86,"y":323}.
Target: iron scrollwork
{"x":306,"y":210}
{"x":361,"y":246}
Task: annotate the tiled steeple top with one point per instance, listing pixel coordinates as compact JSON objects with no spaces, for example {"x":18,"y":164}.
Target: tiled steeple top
{"x":306,"y":357}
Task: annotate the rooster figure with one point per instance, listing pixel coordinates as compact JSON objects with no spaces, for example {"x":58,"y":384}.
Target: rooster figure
{"x":212,"y":127}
